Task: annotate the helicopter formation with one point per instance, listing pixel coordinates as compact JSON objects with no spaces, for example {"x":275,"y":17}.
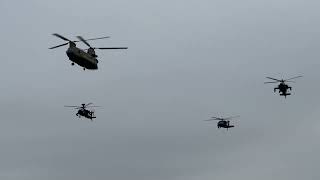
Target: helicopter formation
{"x":283,"y":91}
{"x":87,"y":59}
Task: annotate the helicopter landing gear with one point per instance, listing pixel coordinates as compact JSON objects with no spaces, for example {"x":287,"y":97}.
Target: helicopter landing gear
{"x":72,"y":64}
{"x":84,"y":69}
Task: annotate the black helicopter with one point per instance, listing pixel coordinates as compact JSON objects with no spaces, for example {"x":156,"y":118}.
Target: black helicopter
{"x":223,"y":122}
{"x":282,"y":87}
{"x":82,"y":111}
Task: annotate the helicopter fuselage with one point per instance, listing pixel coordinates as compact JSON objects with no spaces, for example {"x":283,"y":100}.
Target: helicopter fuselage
{"x":224,"y":124}
{"x":85,"y":113}
{"x":82,"y":58}
{"x":283,"y":89}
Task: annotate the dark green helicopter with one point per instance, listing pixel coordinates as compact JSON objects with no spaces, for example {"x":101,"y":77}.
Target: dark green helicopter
{"x":223,"y":122}
{"x":83,"y":112}
{"x":282,"y":87}
{"x":86,"y":59}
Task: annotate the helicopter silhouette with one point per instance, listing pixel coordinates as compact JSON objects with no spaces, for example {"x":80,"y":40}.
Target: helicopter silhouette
{"x":83,"y":112}
{"x":87,"y":60}
{"x":282,"y":87}
{"x":223,"y":122}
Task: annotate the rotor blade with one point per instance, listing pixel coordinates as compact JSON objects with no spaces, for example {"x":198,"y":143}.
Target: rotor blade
{"x":64,"y":38}
{"x":58,"y":45}
{"x":217,"y":118}
{"x":112,"y":48}
{"x":293,"y":78}
{"x":228,"y":118}
{"x":88,"y":104}
{"x":91,"y":39}
{"x":97,"y":38}
{"x":71,"y":106}
{"x":273,"y":78}
{"x":212,"y":120}
{"x":93,"y":106}
{"x":61,"y":37}
{"x":270,"y":82}
{"x":84,"y":41}
{"x":290,"y":81}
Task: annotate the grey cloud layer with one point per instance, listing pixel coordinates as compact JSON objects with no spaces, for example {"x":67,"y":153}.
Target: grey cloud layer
{"x":186,"y":62}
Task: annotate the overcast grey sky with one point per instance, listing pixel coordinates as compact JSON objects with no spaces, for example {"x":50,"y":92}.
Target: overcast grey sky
{"x":187,"y":61}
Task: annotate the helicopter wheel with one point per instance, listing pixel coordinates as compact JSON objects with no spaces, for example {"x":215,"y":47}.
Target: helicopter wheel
{"x":84,"y":69}
{"x":72,"y":64}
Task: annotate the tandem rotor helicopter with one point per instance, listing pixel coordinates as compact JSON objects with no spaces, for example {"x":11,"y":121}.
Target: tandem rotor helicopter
{"x":282,"y":87}
{"x":87,"y":60}
{"x":82,"y":111}
{"x":223,"y":122}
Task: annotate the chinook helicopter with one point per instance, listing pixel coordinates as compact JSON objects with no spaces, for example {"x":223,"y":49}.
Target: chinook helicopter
{"x":223,"y":122}
{"x":282,"y":87}
{"x":82,"y":111}
{"x":86,"y":59}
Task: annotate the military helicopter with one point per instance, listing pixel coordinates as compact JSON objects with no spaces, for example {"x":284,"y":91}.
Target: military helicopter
{"x":282,"y":87}
{"x":82,"y":111}
{"x":223,"y":122}
{"x":87,"y":60}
